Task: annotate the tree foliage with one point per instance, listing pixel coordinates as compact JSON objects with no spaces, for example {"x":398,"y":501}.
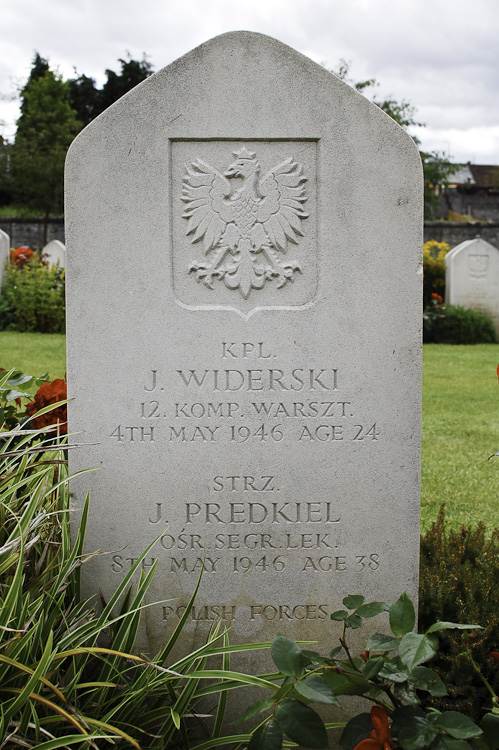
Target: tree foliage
{"x":89,"y":101}
{"x":45,"y":129}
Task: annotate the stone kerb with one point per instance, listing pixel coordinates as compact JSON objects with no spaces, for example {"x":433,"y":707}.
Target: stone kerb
{"x":472,"y":277}
{"x":4,"y":253}
{"x":243,"y":353}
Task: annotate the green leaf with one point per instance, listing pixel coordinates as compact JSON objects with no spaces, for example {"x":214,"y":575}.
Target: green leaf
{"x":19,"y":379}
{"x":490,"y":727}
{"x":447,"y":743}
{"x":353,"y":621}
{"x":416,"y":733}
{"x":256,"y":708}
{"x":335,"y":652}
{"x":393,"y":671}
{"x":402,"y":615}
{"x":268,"y":737}
{"x":344,"y":683}
{"x":458,"y":725}
{"x":301,"y":724}
{"x":312,"y":657}
{"x":316,"y":689}
{"x":352,"y":601}
{"x":371,"y":609}
{"x":175,"y":717}
{"x":357,"y":729}
{"x":451,"y":626}
{"x":380,"y":642}
{"x":427,"y":679}
{"x":12,"y":395}
{"x":287,"y":656}
{"x":340,"y":614}
{"x":416,"y":648}
{"x":373,"y":666}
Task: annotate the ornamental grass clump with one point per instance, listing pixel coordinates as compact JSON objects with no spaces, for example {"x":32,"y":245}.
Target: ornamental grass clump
{"x":70,"y":675}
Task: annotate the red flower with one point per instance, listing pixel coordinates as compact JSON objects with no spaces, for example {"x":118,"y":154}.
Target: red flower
{"x":497,"y":372}
{"x":380,"y":733}
{"x":49,"y":393}
{"x":21,"y":256}
{"x":493,"y":656}
{"x":437,"y":297}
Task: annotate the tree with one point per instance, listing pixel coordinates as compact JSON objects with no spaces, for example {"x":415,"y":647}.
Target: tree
{"x":132,"y":73}
{"x":88,"y":101}
{"x":45,"y":129}
{"x":85,"y":98}
{"x":436,"y":165}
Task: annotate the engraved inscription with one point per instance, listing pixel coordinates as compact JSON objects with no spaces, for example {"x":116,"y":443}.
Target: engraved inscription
{"x":244,"y":220}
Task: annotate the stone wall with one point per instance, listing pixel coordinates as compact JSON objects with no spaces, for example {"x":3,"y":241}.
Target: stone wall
{"x":455,"y":232}
{"x":29,"y":232}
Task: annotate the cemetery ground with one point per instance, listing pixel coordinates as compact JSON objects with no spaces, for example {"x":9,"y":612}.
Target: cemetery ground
{"x":460,"y":429}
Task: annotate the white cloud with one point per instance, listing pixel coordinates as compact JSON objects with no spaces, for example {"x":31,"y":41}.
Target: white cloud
{"x":440,"y":55}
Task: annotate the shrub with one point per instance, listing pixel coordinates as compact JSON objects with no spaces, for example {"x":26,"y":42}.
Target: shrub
{"x":451,"y":324}
{"x":33,"y":295}
{"x":434,"y":271}
{"x":459,"y":582}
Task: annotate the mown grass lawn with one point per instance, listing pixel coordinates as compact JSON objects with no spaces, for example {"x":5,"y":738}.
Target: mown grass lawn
{"x":460,"y":432}
{"x":34,"y":353}
{"x":460,"y":421}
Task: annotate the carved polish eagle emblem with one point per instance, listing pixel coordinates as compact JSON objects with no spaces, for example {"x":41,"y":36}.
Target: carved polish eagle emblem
{"x":244,"y":221}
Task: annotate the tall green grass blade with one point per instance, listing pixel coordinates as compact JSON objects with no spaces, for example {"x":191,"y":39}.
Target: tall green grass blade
{"x":222,"y":702}
{"x":33,"y":680}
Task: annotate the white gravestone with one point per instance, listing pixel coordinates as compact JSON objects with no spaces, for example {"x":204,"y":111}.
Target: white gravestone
{"x":242,"y":346}
{"x":55,"y":253}
{"x":472,"y":277}
{"x":4,"y":253}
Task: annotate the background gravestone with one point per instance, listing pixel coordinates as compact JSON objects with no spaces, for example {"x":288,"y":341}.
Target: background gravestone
{"x":472,"y":277}
{"x":55,"y":252}
{"x":4,"y":253}
{"x":244,"y":295}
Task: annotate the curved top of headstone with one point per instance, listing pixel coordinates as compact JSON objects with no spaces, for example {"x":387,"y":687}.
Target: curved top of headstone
{"x":476,"y":244}
{"x":239,"y":73}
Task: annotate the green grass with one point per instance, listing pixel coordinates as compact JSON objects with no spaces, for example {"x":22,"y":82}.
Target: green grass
{"x":34,"y":353}
{"x":460,"y":421}
{"x":460,"y":432}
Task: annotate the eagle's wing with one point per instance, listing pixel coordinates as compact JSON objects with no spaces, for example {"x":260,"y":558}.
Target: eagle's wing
{"x":204,"y":192}
{"x":281,"y":209}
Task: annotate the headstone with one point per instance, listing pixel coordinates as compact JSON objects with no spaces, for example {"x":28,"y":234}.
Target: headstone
{"x":55,"y":253}
{"x":472,"y":277}
{"x":4,"y":253}
{"x":244,"y":237}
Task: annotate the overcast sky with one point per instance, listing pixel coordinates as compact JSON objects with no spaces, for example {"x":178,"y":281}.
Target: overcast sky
{"x":441,"y":55}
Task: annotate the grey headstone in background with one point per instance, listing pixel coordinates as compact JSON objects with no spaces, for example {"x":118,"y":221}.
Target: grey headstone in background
{"x":4,"y":253}
{"x":55,"y":253}
{"x":244,"y":295}
{"x":472,"y":277}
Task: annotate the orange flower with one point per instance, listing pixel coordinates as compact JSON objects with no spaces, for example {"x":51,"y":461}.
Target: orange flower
{"x":49,"y":393}
{"x":21,"y":256}
{"x":493,"y":656}
{"x":380,"y":733}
